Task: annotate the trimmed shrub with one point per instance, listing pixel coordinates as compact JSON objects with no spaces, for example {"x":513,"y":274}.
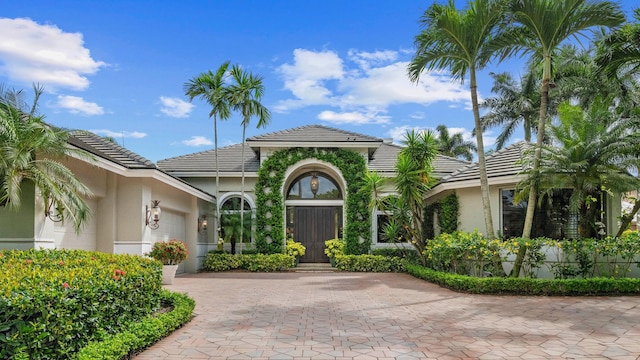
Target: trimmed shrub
{"x":408,"y":254}
{"x":369,"y":263}
{"x":527,"y":286}
{"x":140,"y":335}
{"x":257,"y":262}
{"x":53,"y":302}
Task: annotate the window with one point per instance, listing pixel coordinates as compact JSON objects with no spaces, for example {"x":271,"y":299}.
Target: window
{"x":230,"y":220}
{"x":552,"y":217}
{"x":314,"y":186}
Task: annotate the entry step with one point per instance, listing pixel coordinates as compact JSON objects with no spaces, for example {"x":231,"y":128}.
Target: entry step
{"x":302,"y":267}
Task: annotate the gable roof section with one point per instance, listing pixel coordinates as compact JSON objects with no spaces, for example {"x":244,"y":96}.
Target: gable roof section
{"x":229,"y":159}
{"x":108,"y":150}
{"x":315,"y":136}
{"x":504,"y":162}
{"x":384,"y":161}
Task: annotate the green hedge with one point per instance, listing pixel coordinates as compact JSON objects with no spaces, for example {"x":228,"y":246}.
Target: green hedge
{"x":140,"y":335}
{"x":527,"y":286}
{"x":256,"y":262}
{"x":409,"y":253}
{"x":369,"y":263}
{"x":53,"y":302}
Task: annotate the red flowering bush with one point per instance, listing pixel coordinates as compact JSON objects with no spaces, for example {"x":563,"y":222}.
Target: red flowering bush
{"x":171,"y":252}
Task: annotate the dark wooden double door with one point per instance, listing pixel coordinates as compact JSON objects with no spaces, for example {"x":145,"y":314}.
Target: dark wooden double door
{"x":313,"y":226}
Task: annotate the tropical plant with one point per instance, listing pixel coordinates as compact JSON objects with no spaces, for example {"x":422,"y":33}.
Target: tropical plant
{"x":30,"y":154}
{"x":463,"y":42}
{"x":619,"y":53}
{"x":210,"y":87}
{"x":171,"y":252}
{"x":412,"y":181}
{"x":244,"y":95}
{"x":454,"y":145}
{"x":236,"y":226}
{"x":541,"y":27}
{"x":517,"y":104}
{"x":592,"y":154}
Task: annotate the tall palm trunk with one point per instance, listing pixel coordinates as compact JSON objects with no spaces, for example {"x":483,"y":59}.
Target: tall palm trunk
{"x":533,"y":191}
{"x":244,"y":130}
{"x":217,"y":193}
{"x":482,"y":166}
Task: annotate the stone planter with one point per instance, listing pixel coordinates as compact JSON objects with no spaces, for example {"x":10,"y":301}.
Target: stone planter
{"x":168,"y":273}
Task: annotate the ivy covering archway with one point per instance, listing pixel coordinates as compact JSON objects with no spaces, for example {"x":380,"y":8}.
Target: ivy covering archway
{"x":270,"y":203}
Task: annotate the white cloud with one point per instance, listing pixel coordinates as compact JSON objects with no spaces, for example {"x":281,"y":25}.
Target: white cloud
{"x":197,"y":141}
{"x":77,"y":105}
{"x":175,"y":107}
{"x":353,"y":118}
{"x":119,"y":134}
{"x":364,"y":83}
{"x":44,"y":54}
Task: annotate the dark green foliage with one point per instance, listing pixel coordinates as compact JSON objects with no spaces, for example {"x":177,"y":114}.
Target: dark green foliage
{"x":527,"y":286}
{"x":255,"y":263}
{"x":141,"y":334}
{"x":270,"y":210}
{"x":369,"y":263}
{"x":448,"y":212}
{"x":53,"y":302}
{"x":408,"y":254}
{"x":428,"y":231}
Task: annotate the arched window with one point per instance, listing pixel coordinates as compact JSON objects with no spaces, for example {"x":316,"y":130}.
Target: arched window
{"x":314,"y":186}
{"x":230,"y":216}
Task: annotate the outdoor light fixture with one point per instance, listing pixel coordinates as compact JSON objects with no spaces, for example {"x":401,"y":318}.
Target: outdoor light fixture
{"x":202,"y":223}
{"x":153,"y":214}
{"x":54,"y":214}
{"x":315,"y":183}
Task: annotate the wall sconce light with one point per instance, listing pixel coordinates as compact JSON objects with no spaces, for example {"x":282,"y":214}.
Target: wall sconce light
{"x":153,"y":214}
{"x":314,"y":183}
{"x":202,"y":223}
{"x":53,"y":213}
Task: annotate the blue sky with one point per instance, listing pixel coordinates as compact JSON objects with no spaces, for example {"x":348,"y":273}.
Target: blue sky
{"x":118,"y":67}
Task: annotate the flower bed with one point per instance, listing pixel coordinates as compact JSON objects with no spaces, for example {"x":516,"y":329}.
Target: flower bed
{"x":55,"y":301}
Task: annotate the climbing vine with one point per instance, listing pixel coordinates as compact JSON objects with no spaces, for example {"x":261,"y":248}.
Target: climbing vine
{"x":270,"y":204}
{"x":448,"y":210}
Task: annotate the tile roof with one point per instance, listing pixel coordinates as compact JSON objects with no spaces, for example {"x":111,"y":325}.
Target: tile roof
{"x":384,"y":161}
{"x":99,"y":146}
{"x":229,"y":159}
{"x":313,"y":133}
{"x":504,"y":162}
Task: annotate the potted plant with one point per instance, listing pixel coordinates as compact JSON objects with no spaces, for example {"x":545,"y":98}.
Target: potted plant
{"x":334,"y":247}
{"x":170,"y":254}
{"x":295,"y":249}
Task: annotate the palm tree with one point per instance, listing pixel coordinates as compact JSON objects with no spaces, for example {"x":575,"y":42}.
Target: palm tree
{"x":517,"y":104}
{"x":462,"y":42}
{"x":620,"y":52}
{"x":542,"y":26}
{"x":30,"y":151}
{"x":210,"y":87}
{"x":454,"y":145}
{"x":592,"y":154}
{"x":244,"y":96}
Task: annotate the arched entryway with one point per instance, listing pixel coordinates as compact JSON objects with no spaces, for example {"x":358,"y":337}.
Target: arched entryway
{"x":314,"y":203}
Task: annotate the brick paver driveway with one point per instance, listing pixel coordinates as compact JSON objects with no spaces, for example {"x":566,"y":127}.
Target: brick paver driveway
{"x":389,"y":316}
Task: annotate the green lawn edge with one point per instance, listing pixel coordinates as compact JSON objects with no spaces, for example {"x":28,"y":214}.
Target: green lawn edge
{"x":527,"y":286}
{"x":141,"y":335}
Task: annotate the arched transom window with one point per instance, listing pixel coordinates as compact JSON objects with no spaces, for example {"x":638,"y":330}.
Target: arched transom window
{"x":314,"y":186}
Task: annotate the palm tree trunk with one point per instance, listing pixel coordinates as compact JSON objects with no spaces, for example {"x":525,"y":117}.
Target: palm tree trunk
{"x":217,"y":193}
{"x":533,"y":191}
{"x":527,"y":129}
{"x":482,"y":166}
{"x":626,"y":219}
{"x":244,"y":131}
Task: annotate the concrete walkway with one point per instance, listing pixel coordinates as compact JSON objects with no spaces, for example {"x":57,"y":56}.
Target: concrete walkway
{"x":322,"y":315}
